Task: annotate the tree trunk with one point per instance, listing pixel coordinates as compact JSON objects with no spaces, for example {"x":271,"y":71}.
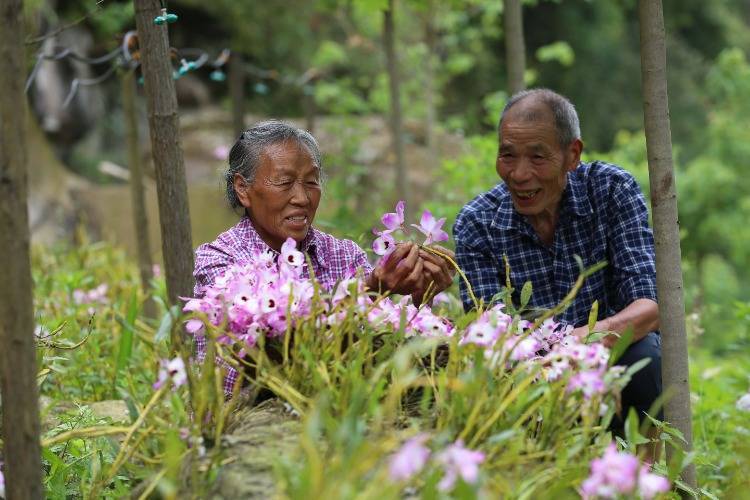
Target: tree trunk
{"x":308,"y":99}
{"x":515,"y":52}
{"x":18,"y":370}
{"x":666,"y":224}
{"x":140,"y":220}
{"x":389,"y":35}
{"x":237,"y":92}
{"x":171,"y":186}
{"x":429,"y":83}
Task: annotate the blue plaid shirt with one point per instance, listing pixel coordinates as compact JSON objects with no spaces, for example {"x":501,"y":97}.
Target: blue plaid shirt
{"x":603,"y":217}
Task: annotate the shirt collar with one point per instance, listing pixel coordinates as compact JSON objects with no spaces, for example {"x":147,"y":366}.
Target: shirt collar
{"x":576,"y":197}
{"x":310,"y":245}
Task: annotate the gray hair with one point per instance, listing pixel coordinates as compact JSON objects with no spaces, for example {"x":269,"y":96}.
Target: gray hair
{"x":565,"y":116}
{"x":245,"y":155}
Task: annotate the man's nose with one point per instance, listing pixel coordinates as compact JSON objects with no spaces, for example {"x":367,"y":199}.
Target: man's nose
{"x":522,"y":172}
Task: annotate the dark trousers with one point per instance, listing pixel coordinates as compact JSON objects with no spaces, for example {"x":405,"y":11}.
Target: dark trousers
{"x":645,"y":385}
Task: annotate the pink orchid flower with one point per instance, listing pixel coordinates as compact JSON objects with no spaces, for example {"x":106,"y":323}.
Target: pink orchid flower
{"x":410,"y":459}
{"x":394,"y":220}
{"x":384,"y":244}
{"x":432,"y":228}
{"x":290,"y":255}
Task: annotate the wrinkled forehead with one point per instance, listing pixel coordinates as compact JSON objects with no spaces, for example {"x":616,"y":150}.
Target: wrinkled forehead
{"x":288,"y":156}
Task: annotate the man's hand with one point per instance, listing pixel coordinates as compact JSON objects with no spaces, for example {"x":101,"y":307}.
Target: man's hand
{"x":438,"y":271}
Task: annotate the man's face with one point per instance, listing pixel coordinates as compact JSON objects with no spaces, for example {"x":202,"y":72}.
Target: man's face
{"x":283,"y":198}
{"x":531,"y":161}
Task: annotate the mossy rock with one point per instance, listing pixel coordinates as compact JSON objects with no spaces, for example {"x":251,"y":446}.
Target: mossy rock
{"x":256,"y":437}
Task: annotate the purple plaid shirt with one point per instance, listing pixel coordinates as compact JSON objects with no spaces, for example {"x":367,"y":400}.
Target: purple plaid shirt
{"x":332,"y":260}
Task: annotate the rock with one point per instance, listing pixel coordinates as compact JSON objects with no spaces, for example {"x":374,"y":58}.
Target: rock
{"x":115,"y":409}
{"x":255,"y":438}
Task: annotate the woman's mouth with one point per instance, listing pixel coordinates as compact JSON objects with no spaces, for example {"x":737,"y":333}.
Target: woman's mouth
{"x":297,"y":220}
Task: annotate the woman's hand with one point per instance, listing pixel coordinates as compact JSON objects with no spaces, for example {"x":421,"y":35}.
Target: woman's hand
{"x":410,"y":270}
{"x":400,"y":272}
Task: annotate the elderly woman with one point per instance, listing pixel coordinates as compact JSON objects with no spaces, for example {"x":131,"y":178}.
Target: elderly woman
{"x":275,"y":175}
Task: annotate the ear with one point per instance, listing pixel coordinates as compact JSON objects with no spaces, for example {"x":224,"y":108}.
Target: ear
{"x":573,"y":155}
{"x":240,"y":188}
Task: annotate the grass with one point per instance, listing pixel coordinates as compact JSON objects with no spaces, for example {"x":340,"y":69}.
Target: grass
{"x":357,"y":405}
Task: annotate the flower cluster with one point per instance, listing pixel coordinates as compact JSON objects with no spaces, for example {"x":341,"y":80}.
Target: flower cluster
{"x":173,"y":370}
{"x":430,"y":227}
{"x":620,"y":473}
{"x":456,"y":461}
{"x":255,"y":298}
{"x":419,"y":321}
{"x":551,"y":344}
{"x":96,"y":295}
{"x":2,"y":485}
{"x":262,"y":296}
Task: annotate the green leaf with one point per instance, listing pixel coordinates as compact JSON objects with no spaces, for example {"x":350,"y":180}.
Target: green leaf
{"x":593,"y":315}
{"x":125,"y":348}
{"x":632,"y":435}
{"x":525,"y":294}
{"x":162,"y":334}
{"x":620,"y":346}
{"x":558,"y":51}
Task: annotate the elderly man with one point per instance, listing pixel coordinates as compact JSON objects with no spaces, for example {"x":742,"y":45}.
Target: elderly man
{"x":551,"y":208}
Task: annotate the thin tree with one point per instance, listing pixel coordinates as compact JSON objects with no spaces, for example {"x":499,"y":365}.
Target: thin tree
{"x":394,"y":81}
{"x":237,"y":92}
{"x":20,"y":395}
{"x":137,"y":198}
{"x":430,"y":38}
{"x":666,"y":224}
{"x":515,"y":52}
{"x":164,"y":128}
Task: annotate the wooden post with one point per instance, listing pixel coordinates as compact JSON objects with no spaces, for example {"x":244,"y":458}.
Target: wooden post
{"x":308,"y":99}
{"x":164,"y":128}
{"x":137,"y":199}
{"x":666,"y":224}
{"x":237,"y":92}
{"x":515,"y":52}
{"x":430,"y":38}
{"x":389,"y":35}
{"x":18,"y":370}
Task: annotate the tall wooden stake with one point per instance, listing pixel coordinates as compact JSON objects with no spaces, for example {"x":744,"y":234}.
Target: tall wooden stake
{"x":164,"y":127}
{"x":18,"y":370}
{"x":389,"y":36}
{"x":237,"y":92}
{"x":666,"y":224}
{"x":137,"y":199}
{"x":515,"y":51}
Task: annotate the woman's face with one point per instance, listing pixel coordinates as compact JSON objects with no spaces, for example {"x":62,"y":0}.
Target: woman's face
{"x":283,"y":198}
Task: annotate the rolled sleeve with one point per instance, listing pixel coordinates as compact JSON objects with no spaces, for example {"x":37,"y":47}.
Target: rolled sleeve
{"x":210,"y":263}
{"x":631,"y":252}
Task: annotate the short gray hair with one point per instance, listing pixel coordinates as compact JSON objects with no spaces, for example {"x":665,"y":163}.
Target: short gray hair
{"x":245,"y":155}
{"x":565,"y":116}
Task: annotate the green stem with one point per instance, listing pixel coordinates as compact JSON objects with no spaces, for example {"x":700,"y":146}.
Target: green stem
{"x":458,"y":269}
